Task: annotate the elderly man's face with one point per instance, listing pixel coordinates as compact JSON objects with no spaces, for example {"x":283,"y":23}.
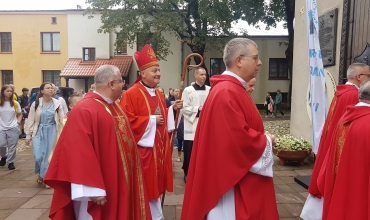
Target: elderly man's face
{"x":117,"y":86}
{"x":151,"y":76}
{"x":250,"y":86}
{"x":250,"y":64}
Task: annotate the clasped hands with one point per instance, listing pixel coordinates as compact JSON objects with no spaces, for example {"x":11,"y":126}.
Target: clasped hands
{"x":273,"y":138}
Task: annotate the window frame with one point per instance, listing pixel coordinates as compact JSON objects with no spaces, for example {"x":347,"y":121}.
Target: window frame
{"x":51,"y":42}
{"x":221,"y":61}
{"x":53,"y":20}
{"x":278,"y":62}
{"x":89,"y":54}
{"x":9,"y":42}
{"x":3,"y":76}
{"x":52,"y":77}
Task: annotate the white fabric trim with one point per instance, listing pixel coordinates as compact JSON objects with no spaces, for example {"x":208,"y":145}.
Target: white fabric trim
{"x":264,"y":165}
{"x":225,"y":208}
{"x":171,"y":119}
{"x":362,"y":104}
{"x":147,"y":140}
{"x":156,"y":209}
{"x":150,"y":90}
{"x":348,"y":83}
{"x":312,"y":209}
{"x":80,"y":194}
{"x":235,"y":76}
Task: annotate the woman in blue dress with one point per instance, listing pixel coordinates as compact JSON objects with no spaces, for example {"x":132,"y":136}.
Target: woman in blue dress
{"x":41,"y":126}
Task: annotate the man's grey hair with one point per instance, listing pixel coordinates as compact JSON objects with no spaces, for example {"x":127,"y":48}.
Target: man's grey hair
{"x":104,"y":74}
{"x":364,"y":91}
{"x":352,"y":70}
{"x":198,"y":69}
{"x":236,"y":47}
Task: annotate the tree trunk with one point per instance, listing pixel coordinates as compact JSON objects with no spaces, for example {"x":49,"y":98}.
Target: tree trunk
{"x":289,"y":13}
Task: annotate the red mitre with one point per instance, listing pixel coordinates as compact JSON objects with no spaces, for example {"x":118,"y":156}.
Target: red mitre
{"x":145,"y":58}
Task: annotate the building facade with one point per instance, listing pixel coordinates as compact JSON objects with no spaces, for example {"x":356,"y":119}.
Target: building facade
{"x":64,"y":47}
{"x":34,"y":47}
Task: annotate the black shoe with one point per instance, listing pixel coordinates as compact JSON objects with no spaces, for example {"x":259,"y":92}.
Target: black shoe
{"x":11,"y":166}
{"x":3,"y":161}
{"x":22,"y":136}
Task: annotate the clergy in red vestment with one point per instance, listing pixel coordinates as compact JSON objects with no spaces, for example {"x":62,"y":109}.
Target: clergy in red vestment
{"x":230,"y":173}
{"x":151,"y":121}
{"x":344,"y":180}
{"x":345,"y":95}
{"x":95,"y":170}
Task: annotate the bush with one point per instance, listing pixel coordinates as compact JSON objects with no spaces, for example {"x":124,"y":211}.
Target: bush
{"x":288,"y":142}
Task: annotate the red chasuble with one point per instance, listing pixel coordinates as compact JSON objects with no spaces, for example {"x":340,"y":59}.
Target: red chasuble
{"x":345,"y":177}
{"x":157,"y":161}
{"x":345,"y":95}
{"x":97,"y":149}
{"x":229,"y":139}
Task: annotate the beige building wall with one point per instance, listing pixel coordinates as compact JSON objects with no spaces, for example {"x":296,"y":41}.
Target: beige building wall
{"x":269,"y":47}
{"x":300,"y":125}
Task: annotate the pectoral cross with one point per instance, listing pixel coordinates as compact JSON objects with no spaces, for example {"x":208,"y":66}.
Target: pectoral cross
{"x":157,"y":111}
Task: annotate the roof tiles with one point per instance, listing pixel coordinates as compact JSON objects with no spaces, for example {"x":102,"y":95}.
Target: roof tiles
{"x":75,"y":67}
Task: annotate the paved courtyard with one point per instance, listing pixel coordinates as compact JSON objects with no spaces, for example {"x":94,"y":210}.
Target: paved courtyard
{"x":22,"y":198}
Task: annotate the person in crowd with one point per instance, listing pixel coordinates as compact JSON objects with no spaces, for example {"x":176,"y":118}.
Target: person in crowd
{"x":194,"y":97}
{"x":168,"y":102}
{"x":83,"y":93}
{"x":344,"y":178}
{"x":33,"y":98}
{"x":151,"y":123}
{"x":250,"y":86}
{"x":46,"y":113}
{"x":10,"y":120}
{"x":23,"y":101}
{"x":59,"y":96}
{"x":278,"y":101}
{"x":15,"y":95}
{"x":269,"y":103}
{"x":345,"y":95}
{"x":98,"y":175}
{"x":170,"y":94}
{"x":230,"y":173}
{"x":73,"y":100}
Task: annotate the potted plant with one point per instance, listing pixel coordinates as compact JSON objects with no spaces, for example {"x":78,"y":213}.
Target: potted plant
{"x":289,"y":148}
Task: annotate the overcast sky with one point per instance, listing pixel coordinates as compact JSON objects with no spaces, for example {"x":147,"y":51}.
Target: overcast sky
{"x":72,"y":4}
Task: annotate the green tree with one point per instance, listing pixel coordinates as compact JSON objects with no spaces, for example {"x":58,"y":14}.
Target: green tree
{"x":193,"y":22}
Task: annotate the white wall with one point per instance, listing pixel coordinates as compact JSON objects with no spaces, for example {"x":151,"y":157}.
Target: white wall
{"x":78,"y":84}
{"x":300,"y":123}
{"x":83,"y":32}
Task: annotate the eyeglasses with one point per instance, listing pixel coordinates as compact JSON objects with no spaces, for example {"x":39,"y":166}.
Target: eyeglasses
{"x":256,"y":57}
{"x":118,"y":80}
{"x":368,"y":75}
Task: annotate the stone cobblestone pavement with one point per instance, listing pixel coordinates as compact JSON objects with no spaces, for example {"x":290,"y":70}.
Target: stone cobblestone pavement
{"x":21,"y":198}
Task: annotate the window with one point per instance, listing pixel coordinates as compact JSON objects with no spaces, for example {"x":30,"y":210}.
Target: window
{"x":217,"y":66}
{"x":53,"y":20}
{"x":121,"y":46}
{"x":50,"y":42}
{"x":7,"y":77}
{"x":6,"y":41}
{"x":142,"y":40}
{"x":51,"y":76}
{"x":88,"y":54}
{"x":278,"y":68}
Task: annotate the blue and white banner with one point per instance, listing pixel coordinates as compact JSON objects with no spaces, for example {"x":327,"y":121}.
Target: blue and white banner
{"x":317,"y":75}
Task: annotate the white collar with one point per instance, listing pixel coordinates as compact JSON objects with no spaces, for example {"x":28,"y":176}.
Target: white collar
{"x":362,"y":104}
{"x":349,"y":83}
{"x":109,"y":101}
{"x":150,"y":90}
{"x":235,"y":76}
